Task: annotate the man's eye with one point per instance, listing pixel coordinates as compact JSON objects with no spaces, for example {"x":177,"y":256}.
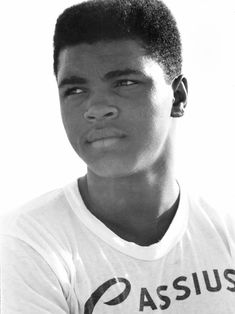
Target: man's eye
{"x":126,"y":83}
{"x":73,"y":91}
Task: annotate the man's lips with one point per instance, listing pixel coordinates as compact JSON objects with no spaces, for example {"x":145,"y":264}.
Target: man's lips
{"x":102,"y":134}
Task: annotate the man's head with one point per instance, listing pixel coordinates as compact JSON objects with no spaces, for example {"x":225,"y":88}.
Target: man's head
{"x":118,"y":69}
{"x":150,"y":23}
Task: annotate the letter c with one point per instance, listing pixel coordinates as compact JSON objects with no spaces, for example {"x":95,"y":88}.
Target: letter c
{"x":96,"y":295}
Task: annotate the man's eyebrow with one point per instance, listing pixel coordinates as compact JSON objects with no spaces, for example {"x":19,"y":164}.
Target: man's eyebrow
{"x":108,"y":76}
{"x":72,"y":80}
{"x":117,"y":73}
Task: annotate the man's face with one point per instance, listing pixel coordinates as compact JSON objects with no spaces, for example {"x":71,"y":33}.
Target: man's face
{"x":116,"y":107}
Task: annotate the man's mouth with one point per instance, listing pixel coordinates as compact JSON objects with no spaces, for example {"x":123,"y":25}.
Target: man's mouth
{"x":105,"y":142}
{"x":105,"y":134}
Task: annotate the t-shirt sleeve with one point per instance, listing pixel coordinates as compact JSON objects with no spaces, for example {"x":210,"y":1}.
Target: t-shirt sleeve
{"x":28,"y":284}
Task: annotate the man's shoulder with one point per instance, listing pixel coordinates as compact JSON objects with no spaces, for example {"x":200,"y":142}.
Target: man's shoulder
{"x":42,"y":210}
{"x":212,"y":217}
{"x":207,"y":203}
{"x":42,"y":229}
{"x":212,"y":209}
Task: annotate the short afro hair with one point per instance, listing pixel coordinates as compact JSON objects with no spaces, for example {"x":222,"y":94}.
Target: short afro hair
{"x":147,"y":21}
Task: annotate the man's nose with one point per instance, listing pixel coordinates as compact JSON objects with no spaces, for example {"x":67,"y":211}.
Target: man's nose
{"x":101,"y":112}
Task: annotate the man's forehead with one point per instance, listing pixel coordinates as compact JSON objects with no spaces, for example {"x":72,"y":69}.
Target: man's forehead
{"x":104,"y":57}
{"x":116,"y":54}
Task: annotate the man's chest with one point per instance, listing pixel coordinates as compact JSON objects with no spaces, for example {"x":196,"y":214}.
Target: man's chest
{"x":187,"y":279}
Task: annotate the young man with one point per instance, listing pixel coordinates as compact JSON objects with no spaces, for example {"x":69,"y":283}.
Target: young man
{"x":126,"y":238}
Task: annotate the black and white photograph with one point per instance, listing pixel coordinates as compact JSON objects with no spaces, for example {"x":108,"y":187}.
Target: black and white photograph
{"x":117,"y":157}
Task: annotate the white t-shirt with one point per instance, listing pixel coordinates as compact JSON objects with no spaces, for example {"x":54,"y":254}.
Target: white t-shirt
{"x":58,"y":258}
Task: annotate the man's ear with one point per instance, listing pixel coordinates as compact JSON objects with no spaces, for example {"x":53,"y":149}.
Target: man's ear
{"x":180,"y":90}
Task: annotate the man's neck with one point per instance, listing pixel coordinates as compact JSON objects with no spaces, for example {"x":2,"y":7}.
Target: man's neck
{"x":139,"y":207}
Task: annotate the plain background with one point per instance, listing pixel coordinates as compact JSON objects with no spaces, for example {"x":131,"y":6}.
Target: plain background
{"x":35,"y":154}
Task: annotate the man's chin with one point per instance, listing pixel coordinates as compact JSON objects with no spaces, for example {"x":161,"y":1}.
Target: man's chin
{"x":110,"y":169}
